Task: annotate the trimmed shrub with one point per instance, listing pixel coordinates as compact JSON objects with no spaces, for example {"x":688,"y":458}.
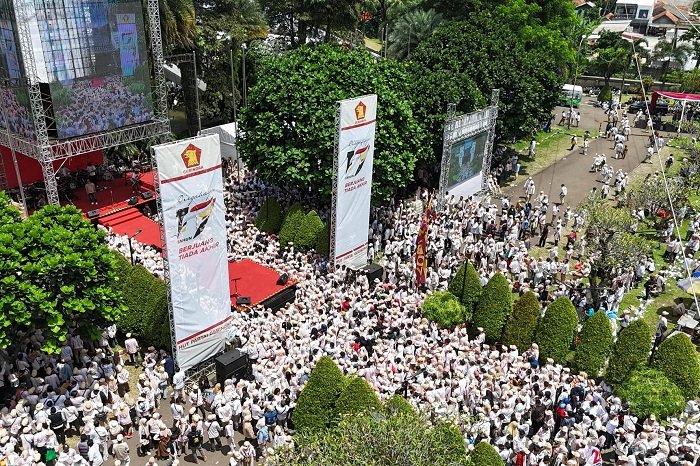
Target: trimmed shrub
{"x":292,"y":221}
{"x":630,"y":350}
{"x":494,"y":307}
{"x":596,"y":343}
{"x":316,"y":405}
{"x":398,"y":406}
{"x":323,"y":242}
{"x":677,"y":358}
{"x":521,"y":326}
{"x":484,"y":455}
{"x":556,"y":330}
{"x":307,"y":234}
{"x":146,"y":299}
{"x":605,"y":94}
{"x":443,"y":308}
{"x":269,"y":217}
{"x":466,"y":286}
{"x":649,"y":391}
{"x":357,"y":397}
{"x":449,"y":439}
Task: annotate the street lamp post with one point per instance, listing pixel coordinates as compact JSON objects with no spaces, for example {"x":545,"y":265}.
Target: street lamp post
{"x":573,"y":86}
{"x":131,"y":249}
{"x":196,"y":90}
{"x":245,"y":90}
{"x":233,"y":84}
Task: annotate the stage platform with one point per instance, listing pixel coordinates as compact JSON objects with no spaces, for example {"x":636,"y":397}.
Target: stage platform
{"x":129,"y":221}
{"x":260,"y":284}
{"x":113,"y":196}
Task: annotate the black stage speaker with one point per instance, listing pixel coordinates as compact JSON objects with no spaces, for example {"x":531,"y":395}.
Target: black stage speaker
{"x":146,"y":195}
{"x":94,"y":213}
{"x":231,"y":364}
{"x":133,"y":200}
{"x":243,"y":301}
{"x":284,"y":278}
{"x":373,"y":271}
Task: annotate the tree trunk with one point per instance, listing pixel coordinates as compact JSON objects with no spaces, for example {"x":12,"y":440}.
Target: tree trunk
{"x":594,"y":282}
{"x":188,"y":91}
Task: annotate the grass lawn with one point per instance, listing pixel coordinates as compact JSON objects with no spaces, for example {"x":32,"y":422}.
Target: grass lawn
{"x":374,"y":44}
{"x":551,"y":147}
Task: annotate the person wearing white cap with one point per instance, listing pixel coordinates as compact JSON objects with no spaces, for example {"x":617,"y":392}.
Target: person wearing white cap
{"x":120,"y":450}
{"x":247,"y":452}
{"x":132,"y":348}
{"x":213,"y":429}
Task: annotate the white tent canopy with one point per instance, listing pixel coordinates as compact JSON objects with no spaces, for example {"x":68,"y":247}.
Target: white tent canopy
{"x":227,"y":140}
{"x":173,"y":74}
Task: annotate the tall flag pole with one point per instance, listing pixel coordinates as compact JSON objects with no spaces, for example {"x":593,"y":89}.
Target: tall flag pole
{"x":422,"y":244}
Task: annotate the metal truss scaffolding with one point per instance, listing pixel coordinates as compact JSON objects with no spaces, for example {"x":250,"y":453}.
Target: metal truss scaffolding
{"x":336,"y":142}
{"x":46,"y":150}
{"x":462,"y":127}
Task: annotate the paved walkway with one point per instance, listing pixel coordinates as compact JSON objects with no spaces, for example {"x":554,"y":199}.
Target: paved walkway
{"x":573,"y":170}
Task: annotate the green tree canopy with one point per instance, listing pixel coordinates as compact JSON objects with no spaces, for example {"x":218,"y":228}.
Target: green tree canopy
{"x":445,"y":309}
{"x":410,"y":30}
{"x":390,"y":440}
{"x":648,"y":392}
{"x":288,"y":128}
{"x":506,"y":47}
{"x":357,"y":397}
{"x":56,"y":274}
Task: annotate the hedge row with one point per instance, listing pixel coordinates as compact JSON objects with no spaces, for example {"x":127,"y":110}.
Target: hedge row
{"x":557,"y":329}
{"x":443,"y":308}
{"x":146,"y":300}
{"x":595,"y":345}
{"x":494,"y":307}
{"x":521,"y":326}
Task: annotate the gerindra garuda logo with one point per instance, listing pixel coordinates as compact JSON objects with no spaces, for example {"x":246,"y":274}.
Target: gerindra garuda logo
{"x":192,"y":158}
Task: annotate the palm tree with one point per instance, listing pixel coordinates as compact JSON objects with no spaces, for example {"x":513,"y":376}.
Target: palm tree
{"x":666,"y":52}
{"x":637,"y":46}
{"x":177,"y":20}
{"x":410,"y":30}
{"x":693,"y":36}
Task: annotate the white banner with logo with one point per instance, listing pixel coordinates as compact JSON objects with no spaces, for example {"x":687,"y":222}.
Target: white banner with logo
{"x":353,"y":190}
{"x":191,"y":193}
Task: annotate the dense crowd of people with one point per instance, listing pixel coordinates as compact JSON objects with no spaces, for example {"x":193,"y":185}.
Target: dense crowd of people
{"x":533,"y":411}
{"x":117,"y":105}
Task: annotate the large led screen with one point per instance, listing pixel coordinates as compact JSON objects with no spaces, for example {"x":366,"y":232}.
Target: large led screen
{"x":466,"y":163}
{"x":97,"y":64}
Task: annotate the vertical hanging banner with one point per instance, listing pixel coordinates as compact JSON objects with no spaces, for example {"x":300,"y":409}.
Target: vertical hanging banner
{"x":191,"y":193}
{"x":353,"y":190}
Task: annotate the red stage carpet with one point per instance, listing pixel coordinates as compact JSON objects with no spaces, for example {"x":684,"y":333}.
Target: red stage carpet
{"x":255,"y":280}
{"x":115,"y":197}
{"x":129,"y":221}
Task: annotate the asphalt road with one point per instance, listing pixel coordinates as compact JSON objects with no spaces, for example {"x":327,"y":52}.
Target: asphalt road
{"x":573,"y":169}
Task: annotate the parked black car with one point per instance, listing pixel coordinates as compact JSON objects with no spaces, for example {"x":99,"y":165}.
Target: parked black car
{"x":661,"y":107}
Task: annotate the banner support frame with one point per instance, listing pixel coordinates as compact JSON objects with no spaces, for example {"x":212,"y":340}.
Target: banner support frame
{"x":334,"y":197}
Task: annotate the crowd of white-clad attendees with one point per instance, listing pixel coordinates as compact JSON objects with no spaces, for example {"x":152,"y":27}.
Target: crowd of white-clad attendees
{"x":525,"y":407}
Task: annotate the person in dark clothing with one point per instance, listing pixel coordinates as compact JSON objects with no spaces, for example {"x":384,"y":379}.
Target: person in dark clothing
{"x":83,"y":447}
{"x":57,"y":425}
{"x":544,"y":235}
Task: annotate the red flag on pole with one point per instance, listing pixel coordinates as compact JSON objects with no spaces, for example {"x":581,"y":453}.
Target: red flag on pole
{"x":422,"y":244}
